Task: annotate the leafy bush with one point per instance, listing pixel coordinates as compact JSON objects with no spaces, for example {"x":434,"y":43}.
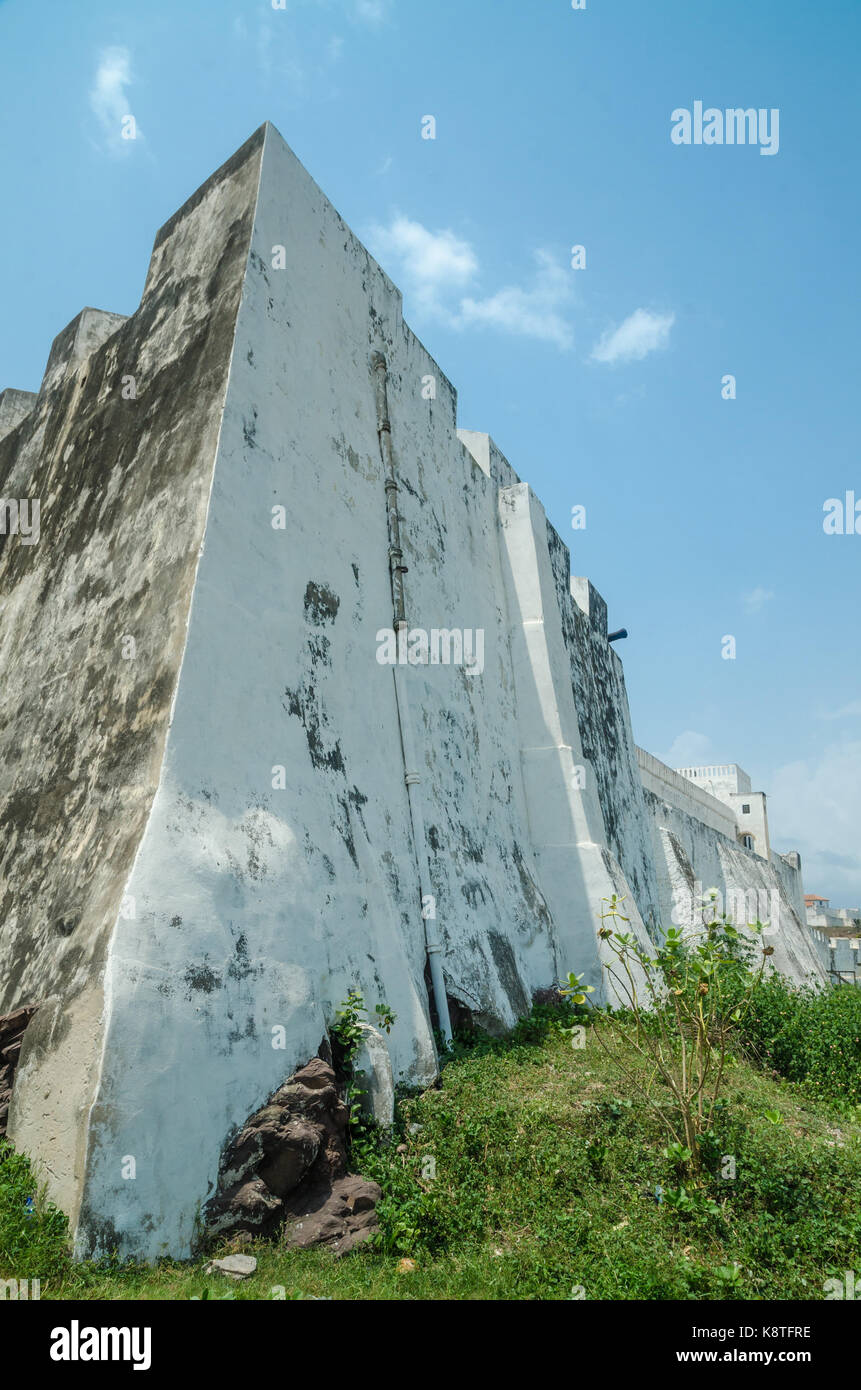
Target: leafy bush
{"x":681,"y":999}
{"x":808,"y":1036}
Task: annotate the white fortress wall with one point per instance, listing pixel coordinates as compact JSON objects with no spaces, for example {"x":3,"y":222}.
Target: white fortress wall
{"x":678,"y":792}
{"x":259,"y":907}
{"x":598,"y":679}
{"x":91,"y":638}
{"x":788,"y":868}
{"x":579,"y":872}
{"x":232,"y":850}
{"x":693,"y":856}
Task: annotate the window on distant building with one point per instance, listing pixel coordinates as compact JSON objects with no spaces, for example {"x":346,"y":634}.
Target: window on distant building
{"x":747,"y":841}
{"x":745,"y":810}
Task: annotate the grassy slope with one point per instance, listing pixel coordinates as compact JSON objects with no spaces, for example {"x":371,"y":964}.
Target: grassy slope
{"x":546,"y":1165}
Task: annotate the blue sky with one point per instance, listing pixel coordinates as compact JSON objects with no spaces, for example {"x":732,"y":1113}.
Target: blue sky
{"x":704,"y":516}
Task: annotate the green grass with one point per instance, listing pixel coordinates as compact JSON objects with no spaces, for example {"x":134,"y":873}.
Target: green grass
{"x":534,"y":1173}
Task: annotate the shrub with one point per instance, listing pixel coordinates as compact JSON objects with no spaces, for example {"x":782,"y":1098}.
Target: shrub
{"x":808,"y":1036}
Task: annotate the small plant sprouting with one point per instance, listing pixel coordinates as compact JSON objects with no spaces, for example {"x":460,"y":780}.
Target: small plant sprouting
{"x":346,"y":1038}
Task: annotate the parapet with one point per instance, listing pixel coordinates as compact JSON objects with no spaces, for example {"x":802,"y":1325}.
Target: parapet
{"x":489,"y":457}
{"x":78,"y":340}
{"x":590,"y":602}
{"x":15,"y":406}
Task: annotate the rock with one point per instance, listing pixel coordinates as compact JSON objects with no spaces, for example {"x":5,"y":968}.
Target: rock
{"x":341,"y":1216}
{"x":12,"y":1029}
{"x":291,"y":1149}
{"x":16,"y":1022}
{"x":288,"y":1163}
{"x":247,"y":1207}
{"x":316,"y":1075}
{"x":235,"y":1266}
{"x":359,"y":1193}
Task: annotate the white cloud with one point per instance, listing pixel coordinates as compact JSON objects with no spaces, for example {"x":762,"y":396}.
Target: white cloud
{"x":109,"y":100}
{"x":435,"y":266}
{"x":641,"y":333}
{"x":689,"y":749}
{"x":531,"y":313}
{"x":815,"y":807}
{"x":756,"y":599}
{"x":430,"y":262}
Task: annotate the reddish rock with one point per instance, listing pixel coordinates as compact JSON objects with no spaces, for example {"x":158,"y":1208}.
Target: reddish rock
{"x":12,"y":1029}
{"x":289,"y":1162}
{"x":341,"y":1216}
{"x":249,"y":1206}
{"x":16,"y":1022}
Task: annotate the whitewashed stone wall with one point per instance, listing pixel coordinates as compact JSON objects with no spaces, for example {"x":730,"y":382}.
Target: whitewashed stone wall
{"x":691,"y":858}
{"x":234,"y":874}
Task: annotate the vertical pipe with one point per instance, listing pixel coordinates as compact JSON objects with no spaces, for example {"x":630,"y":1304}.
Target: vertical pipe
{"x":412,"y":777}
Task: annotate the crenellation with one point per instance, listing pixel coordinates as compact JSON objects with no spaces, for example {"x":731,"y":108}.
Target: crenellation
{"x":77,"y":342}
{"x":15,"y":406}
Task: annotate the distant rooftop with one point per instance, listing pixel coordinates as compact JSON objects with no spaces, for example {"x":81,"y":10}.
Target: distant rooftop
{"x":710,"y":772}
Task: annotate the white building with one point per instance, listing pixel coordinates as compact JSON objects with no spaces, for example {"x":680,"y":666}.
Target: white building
{"x":821,"y":915}
{"x":732,"y":785}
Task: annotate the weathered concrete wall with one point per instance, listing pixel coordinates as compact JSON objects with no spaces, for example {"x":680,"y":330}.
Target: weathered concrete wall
{"x":598,"y":679}
{"x":691,"y":859}
{"x":14,"y":406}
{"x":578,"y":871}
{"x":671,"y":787}
{"x":258,"y":907}
{"x":788,"y":870}
{"x":208,"y":844}
{"x":123,"y":485}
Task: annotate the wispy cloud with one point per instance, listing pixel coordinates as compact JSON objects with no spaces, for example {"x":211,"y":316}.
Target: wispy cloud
{"x":436,"y":267}
{"x":756,"y":599}
{"x":109,"y":100}
{"x":641,"y":333}
{"x":431,"y":263}
{"x":689,"y":749}
{"x":531,"y":313}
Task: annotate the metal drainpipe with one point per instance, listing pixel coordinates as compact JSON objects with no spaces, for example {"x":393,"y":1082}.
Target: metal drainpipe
{"x":411,"y":773}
